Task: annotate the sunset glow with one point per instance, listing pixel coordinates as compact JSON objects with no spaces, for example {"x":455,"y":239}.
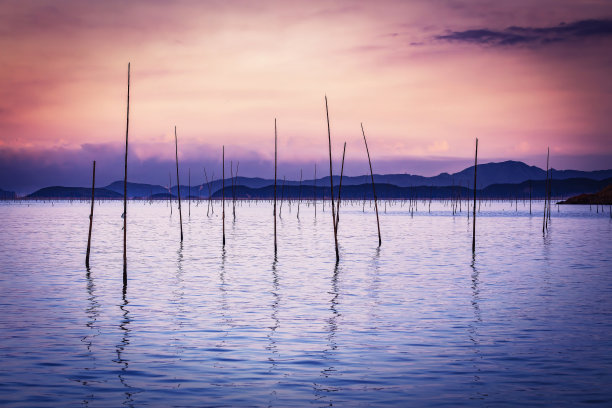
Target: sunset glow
{"x":425,"y":78}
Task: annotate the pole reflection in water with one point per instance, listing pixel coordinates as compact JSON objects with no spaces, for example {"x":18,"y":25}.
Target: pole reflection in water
{"x":374,"y":289}
{"x":178,"y":295}
{"x":124,"y":326}
{"x":93,"y":313}
{"x":272,"y":347}
{"x":473,"y":330}
{"x":324,"y":391}
{"x":226,"y":320}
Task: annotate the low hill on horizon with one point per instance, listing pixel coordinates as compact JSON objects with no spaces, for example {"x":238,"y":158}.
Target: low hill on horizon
{"x":603,"y":196}
{"x":56,"y":192}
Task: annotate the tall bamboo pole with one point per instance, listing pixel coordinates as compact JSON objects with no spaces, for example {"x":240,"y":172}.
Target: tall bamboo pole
{"x":275,"y":163}
{"x":178,"y":183}
{"x":474,"y":209}
{"x":331,"y":182}
{"x":223,"y":190}
{"x":373,"y":188}
{"x":93,"y":186}
{"x":127,"y":125}
{"x":545,"y":192}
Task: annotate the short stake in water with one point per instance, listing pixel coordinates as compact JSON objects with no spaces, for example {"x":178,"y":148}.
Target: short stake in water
{"x":93,"y":186}
{"x":373,"y":188}
{"x":178,"y":183}
{"x":474,"y":213}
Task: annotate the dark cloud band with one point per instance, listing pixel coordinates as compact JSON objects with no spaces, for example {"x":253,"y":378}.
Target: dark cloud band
{"x":532,"y":35}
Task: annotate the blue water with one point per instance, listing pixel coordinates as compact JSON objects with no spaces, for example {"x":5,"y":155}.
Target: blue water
{"x":416,"y":322}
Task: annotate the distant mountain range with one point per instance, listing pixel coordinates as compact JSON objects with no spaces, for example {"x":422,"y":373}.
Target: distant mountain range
{"x":502,"y":180}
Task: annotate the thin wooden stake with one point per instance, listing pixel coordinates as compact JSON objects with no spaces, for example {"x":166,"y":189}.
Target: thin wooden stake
{"x":545,"y":192}
{"x":127,"y":125}
{"x":331,"y":182}
{"x":474,"y":213}
{"x":275,"y":163}
{"x":299,"y":196}
{"x":223,"y":190}
{"x":93,"y":186}
{"x":373,"y":188}
{"x":178,"y":183}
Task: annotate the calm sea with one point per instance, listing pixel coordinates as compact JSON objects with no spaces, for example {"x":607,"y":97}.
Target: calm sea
{"x":419,"y":321}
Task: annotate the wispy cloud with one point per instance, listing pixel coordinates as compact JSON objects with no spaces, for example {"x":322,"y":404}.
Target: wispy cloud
{"x":516,"y":35}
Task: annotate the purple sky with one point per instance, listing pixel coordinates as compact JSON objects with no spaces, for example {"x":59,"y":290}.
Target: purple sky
{"x":425,"y":78}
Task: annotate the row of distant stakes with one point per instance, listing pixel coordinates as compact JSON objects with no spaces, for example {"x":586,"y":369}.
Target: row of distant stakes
{"x":335,"y":210}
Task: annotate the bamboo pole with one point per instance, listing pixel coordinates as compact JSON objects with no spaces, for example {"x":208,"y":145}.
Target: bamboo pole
{"x":127,"y":125}
{"x":93,"y":186}
{"x":315,"y":191}
{"x":223,"y":190}
{"x":178,"y":183}
{"x":331,"y":182}
{"x":299,"y":196}
{"x":474,"y":213}
{"x":275,"y":164}
{"x":340,"y":187}
{"x":373,"y":188}
{"x":545,"y":192}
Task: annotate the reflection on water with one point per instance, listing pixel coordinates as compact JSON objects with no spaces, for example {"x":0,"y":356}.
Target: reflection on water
{"x":473,"y":329}
{"x":272,"y":346}
{"x":92,"y":312}
{"x":121,"y":347}
{"x":325,"y":389}
{"x":420,"y":321}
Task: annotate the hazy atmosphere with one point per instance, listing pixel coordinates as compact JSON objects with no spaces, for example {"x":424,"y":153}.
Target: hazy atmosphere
{"x":424,"y":77}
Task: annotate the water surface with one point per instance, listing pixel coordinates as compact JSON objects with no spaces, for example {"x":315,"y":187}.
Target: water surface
{"x":420,"y":321}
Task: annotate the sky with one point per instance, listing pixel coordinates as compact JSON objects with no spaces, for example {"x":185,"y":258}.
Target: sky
{"x":424,"y":77}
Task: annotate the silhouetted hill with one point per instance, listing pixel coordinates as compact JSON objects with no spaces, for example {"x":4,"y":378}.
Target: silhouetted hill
{"x":601,"y":197}
{"x":560,"y":188}
{"x":72,"y":192}
{"x":137,"y":189}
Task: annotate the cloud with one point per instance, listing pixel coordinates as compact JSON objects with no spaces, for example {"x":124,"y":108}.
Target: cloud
{"x":516,"y":35}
